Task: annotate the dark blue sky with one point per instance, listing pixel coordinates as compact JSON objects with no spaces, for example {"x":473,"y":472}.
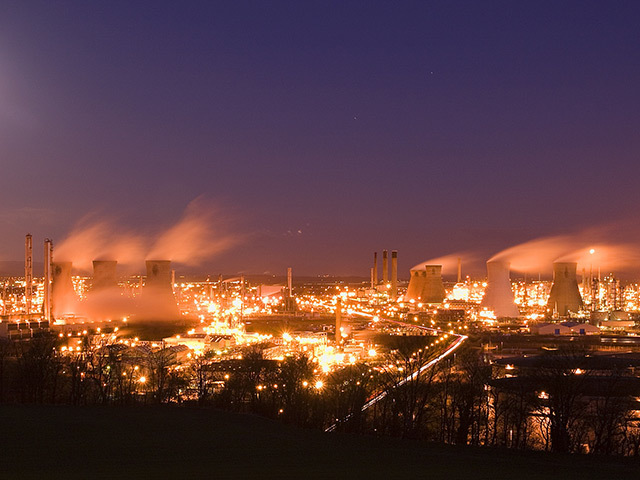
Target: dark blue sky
{"x":427,"y":127}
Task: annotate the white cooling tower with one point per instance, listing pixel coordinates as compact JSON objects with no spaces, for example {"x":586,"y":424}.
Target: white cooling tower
{"x":498,"y":296}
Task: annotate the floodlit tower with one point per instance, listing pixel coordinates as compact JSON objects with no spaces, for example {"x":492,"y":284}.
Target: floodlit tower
{"x":564,"y":296}
{"x":28,"y":273}
{"x":375,"y":269}
{"x":339,"y":320}
{"x":290,"y":281}
{"x":48,"y":259}
{"x":394,"y":274}
{"x":498,"y":296}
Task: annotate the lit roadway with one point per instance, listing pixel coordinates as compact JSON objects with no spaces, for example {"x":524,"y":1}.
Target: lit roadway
{"x":450,"y":349}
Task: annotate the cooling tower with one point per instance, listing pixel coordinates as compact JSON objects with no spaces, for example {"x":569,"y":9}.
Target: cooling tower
{"x":159,"y":274}
{"x":416,"y":285}
{"x":564,"y":296}
{"x":498,"y":296}
{"x":433,"y":290}
{"x":157,"y":301}
{"x":62,"y":293}
{"x":104,"y":274}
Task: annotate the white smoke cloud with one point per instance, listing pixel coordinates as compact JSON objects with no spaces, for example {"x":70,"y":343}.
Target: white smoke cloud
{"x":199,"y":235}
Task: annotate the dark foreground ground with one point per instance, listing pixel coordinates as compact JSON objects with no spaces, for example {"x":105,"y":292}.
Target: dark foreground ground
{"x":165,"y":442}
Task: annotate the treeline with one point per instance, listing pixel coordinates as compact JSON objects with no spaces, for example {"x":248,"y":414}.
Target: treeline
{"x":458,"y":400}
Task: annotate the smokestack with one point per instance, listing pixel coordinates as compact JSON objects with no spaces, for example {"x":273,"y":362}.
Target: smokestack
{"x":62,"y":293}
{"x":375,"y":269}
{"x":498,"y":296}
{"x":385,"y":268}
{"x":394,"y":274}
{"x":339,"y":320}
{"x":433,"y":290}
{"x":104,"y":274}
{"x":372,"y":281}
{"x":459,"y":270}
{"x":28,"y":273}
{"x":565,"y":296}
{"x":290,"y":281}
{"x":159,"y":274}
{"x":48,"y":259}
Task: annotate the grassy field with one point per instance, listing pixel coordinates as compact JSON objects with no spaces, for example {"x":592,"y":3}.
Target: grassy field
{"x":166,"y":442}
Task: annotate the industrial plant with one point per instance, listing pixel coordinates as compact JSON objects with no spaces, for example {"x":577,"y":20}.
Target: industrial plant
{"x":391,"y":328}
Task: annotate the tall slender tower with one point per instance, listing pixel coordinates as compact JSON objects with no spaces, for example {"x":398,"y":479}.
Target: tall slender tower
{"x":290,"y":282}
{"x":48,"y":259}
{"x":375,"y":269}
{"x":339,"y":320}
{"x":28,"y":273}
{"x":394,"y":274}
{"x":385,"y":267}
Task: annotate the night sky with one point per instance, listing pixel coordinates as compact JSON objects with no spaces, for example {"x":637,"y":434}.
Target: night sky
{"x":322,"y":131}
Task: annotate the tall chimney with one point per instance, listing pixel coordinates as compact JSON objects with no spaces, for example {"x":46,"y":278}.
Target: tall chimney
{"x":48,"y":259}
{"x":433,"y":290}
{"x":565,"y":295}
{"x":394,"y":274}
{"x":375,"y":268}
{"x":459,"y":270}
{"x":385,"y":267}
{"x":290,"y":281}
{"x":498,"y":296}
{"x":28,"y":273}
{"x":339,"y":320}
